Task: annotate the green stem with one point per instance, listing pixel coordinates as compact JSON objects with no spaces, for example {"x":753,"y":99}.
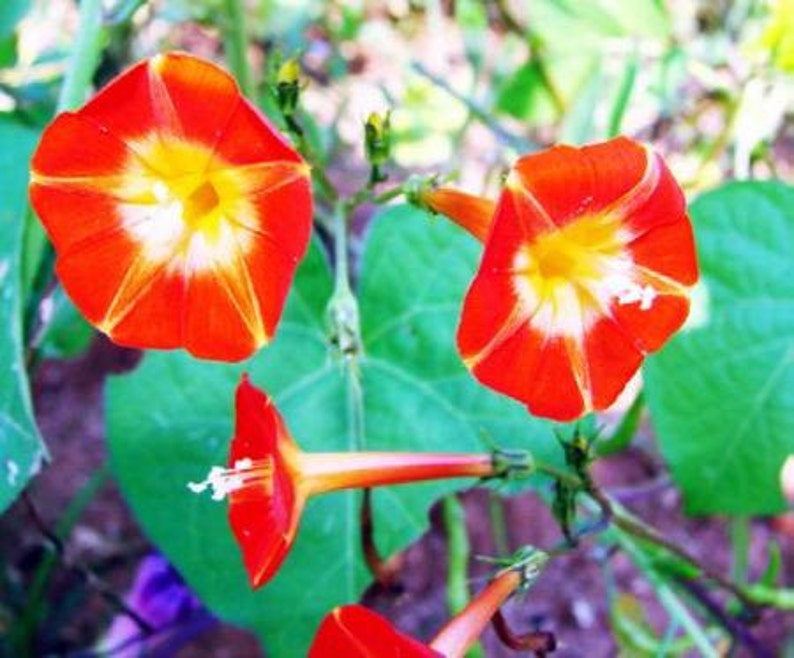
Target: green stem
{"x":517,"y":142}
{"x":454,"y":518}
{"x":740,"y":541}
{"x":355,"y":407}
{"x":721,"y":142}
{"x":324,"y":186}
{"x":778,"y":598}
{"x":388,"y":195}
{"x":85,"y":56}
{"x":568,"y":478}
{"x":345,"y":325}
{"x":627,"y":522}
{"x":496,"y":512}
{"x":621,"y":103}
{"x":38,"y":255}
{"x":630,"y":524}
{"x":668,"y":598}
{"x":235,"y":44}
{"x":624,"y":433}
{"x":342,"y":287}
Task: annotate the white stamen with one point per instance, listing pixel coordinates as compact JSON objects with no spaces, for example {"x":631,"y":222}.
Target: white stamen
{"x":648,"y":295}
{"x":223,"y":481}
{"x":631,"y":292}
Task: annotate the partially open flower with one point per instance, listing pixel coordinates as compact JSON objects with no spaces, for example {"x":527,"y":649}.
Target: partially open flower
{"x":587,"y":266}
{"x":269,"y":478}
{"x":473,"y":213}
{"x":177,"y":212}
{"x":355,"y":632}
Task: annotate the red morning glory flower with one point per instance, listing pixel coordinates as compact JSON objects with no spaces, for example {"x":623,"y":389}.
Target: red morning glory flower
{"x":177,"y":212}
{"x":269,"y":478}
{"x":588,"y":262}
{"x":354,"y":631}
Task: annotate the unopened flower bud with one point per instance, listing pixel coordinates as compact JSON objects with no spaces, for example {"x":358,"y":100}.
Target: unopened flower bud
{"x":377,"y":138}
{"x":288,"y":86}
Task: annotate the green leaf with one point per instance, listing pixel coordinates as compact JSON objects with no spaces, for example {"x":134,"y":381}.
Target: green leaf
{"x":596,"y":27}
{"x":21,"y":447}
{"x":8,"y":50}
{"x":773,"y":566}
{"x":418,"y":396}
{"x":67,"y":334}
{"x":721,"y":394}
{"x":526,"y":95}
{"x":11,"y":12}
{"x":589,"y":23}
{"x":171,"y":419}
{"x":578,"y":126}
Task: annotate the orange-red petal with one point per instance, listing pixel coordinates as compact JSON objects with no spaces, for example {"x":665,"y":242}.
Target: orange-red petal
{"x":263,"y":515}
{"x":113,"y":255}
{"x":568,"y":183}
{"x":611,"y":357}
{"x":144,"y":313}
{"x":353,"y":631}
{"x":669,"y":251}
{"x":174,"y":93}
{"x":248,"y":134}
{"x":72,"y":185}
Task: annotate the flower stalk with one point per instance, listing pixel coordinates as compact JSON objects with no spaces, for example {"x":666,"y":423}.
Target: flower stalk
{"x":85,"y":56}
{"x":235,"y":43}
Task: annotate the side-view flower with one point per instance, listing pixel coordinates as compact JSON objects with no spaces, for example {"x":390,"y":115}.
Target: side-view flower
{"x":588,"y":262}
{"x":177,"y":212}
{"x":269,"y":478}
{"x":356,"y":632}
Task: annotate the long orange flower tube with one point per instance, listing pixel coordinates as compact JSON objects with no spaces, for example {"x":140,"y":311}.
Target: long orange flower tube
{"x":588,"y":262}
{"x":357,"y":632}
{"x":269,"y":479}
{"x":177,"y":212}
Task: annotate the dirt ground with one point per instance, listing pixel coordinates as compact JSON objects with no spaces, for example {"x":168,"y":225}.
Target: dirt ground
{"x":569,"y":599}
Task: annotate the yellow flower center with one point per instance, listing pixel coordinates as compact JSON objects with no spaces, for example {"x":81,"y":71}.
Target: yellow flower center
{"x":200,"y":203}
{"x":565,"y":278}
{"x":185,"y":205}
{"x":576,"y":253}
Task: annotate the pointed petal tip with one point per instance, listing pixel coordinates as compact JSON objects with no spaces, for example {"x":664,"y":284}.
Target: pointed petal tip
{"x":263,"y":552}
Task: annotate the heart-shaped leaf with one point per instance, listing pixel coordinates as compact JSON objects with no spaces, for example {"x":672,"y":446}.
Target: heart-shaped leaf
{"x":21,"y":447}
{"x":721,"y":394}
{"x":171,"y":419}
